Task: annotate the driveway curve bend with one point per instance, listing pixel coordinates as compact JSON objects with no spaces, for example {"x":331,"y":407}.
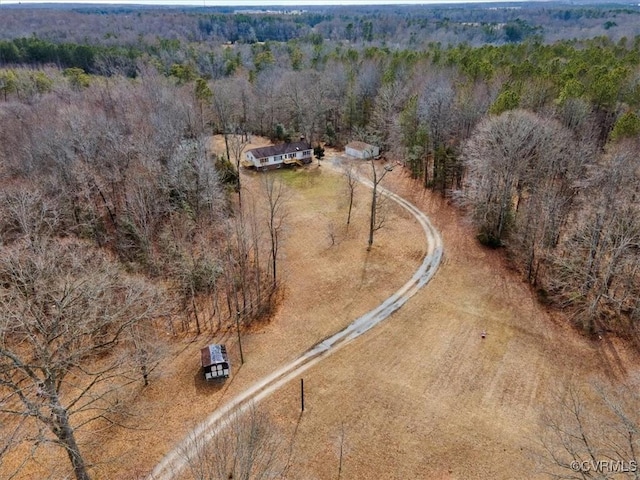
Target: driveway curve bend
{"x":175,"y":461}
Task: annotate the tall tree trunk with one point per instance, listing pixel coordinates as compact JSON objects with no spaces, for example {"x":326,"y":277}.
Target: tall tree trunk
{"x":374,"y":200}
{"x":226,"y":142}
{"x":274,"y":258}
{"x":372,"y":219}
{"x":63,"y":431}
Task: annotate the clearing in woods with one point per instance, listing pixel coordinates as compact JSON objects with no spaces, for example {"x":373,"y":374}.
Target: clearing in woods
{"x":424,"y":395}
{"x":327,"y":286}
{"x":452,"y":385}
{"x":420,"y":396}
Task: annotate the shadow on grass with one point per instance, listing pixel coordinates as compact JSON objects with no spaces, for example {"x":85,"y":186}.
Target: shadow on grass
{"x":204,"y":386}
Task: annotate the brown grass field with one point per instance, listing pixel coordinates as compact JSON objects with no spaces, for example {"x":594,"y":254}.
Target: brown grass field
{"x":421,"y":396}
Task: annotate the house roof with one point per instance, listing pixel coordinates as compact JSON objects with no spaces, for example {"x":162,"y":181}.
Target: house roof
{"x":279,"y":149}
{"x":356,"y":145}
{"x":213,"y":354}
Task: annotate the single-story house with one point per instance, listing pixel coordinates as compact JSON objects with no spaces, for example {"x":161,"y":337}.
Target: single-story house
{"x":275,"y":156}
{"x":362,"y":150}
{"x":215,"y":361}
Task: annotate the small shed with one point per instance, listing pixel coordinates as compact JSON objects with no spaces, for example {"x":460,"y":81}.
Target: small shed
{"x":215,"y":361}
{"x":362,"y":150}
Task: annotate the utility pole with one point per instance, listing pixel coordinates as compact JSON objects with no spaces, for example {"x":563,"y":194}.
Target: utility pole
{"x":239,"y":338}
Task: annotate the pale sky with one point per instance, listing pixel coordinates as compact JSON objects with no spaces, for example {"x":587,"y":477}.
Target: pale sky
{"x":266,"y":3}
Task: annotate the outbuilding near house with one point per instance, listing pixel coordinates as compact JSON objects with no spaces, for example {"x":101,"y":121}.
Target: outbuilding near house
{"x":275,"y":156}
{"x":362,"y":150}
{"x":215,"y":362}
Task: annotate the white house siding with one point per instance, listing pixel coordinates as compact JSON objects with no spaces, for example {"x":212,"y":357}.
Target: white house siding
{"x":276,"y":155}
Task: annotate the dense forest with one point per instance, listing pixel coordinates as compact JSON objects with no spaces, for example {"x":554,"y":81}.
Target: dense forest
{"x":527,"y":117}
{"x":441,"y":108}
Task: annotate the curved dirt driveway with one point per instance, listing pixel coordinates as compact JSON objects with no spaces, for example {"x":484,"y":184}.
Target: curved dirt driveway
{"x":174,"y":462}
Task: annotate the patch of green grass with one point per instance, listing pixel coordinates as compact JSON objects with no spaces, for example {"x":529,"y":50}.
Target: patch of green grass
{"x":300,"y":178}
{"x":312,"y":181}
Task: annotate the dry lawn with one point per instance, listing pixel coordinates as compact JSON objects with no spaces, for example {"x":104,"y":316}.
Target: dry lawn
{"x":327,"y":284}
{"x":420,"y":396}
{"x":423,"y":395}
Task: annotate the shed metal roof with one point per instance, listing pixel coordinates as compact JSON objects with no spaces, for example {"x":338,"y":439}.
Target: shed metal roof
{"x":213,"y":354}
{"x":279,"y":149}
{"x":356,"y":145}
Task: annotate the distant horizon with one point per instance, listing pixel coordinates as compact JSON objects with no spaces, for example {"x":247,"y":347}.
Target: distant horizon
{"x":258,"y":3}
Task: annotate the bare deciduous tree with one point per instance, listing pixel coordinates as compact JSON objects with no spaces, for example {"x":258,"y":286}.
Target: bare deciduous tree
{"x":591,"y":433}
{"x":26,"y":213}
{"x":437,"y":111}
{"x":498,"y":158}
{"x":146,"y":349}
{"x":351,"y":179}
{"x":388,"y":104}
{"x":248,"y":284}
{"x":376,"y":218}
{"x":303,"y":95}
{"x":223,"y":110}
{"x":193,"y":182}
{"x":246,"y":446}
{"x":549,"y":188}
{"x":597,"y":269}
{"x":276,"y":213}
{"x":236,"y":144}
{"x":63,"y":307}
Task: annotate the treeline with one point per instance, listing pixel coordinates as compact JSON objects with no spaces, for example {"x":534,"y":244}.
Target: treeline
{"x":401,"y":26}
{"x":431,"y":108}
{"x":214,"y":45}
{"x":536,"y":142}
{"x":247,"y":28}
{"x":32,"y":51}
{"x":126,"y":166}
{"x":566,"y":212}
{"x":118,"y":229}
{"x":90,"y":58}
